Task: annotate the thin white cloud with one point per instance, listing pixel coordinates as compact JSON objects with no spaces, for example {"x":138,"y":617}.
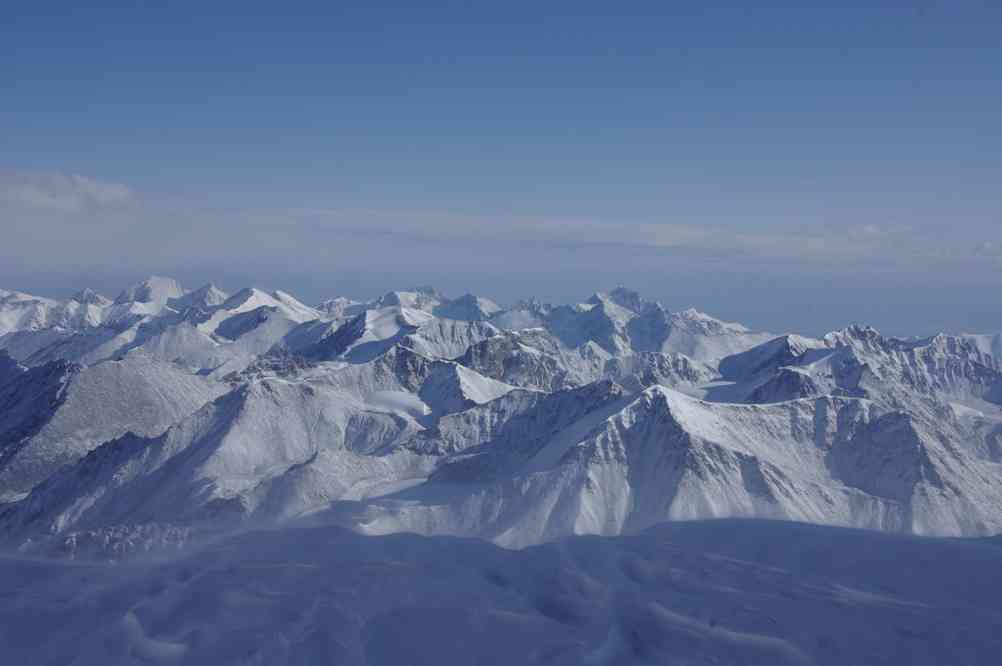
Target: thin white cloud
{"x":60,"y":193}
{"x":54,"y":220}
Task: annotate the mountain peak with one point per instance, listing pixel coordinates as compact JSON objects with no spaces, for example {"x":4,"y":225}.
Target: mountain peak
{"x":694,"y":314}
{"x":467,"y":307}
{"x":621,"y":296}
{"x":247,"y":298}
{"x":627,"y":298}
{"x":693,"y":318}
{"x":87,"y":296}
{"x":339,"y":306}
{"x":855,"y":333}
{"x":154,"y":289}
{"x":419,"y":298}
{"x":206,"y":296}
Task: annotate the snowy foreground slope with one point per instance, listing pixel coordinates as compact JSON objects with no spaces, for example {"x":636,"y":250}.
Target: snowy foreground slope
{"x":749,"y":593}
{"x":167,"y":416}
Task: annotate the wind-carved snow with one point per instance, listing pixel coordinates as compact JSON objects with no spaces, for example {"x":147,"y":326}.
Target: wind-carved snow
{"x":169,"y":415}
{"x":755,"y":593}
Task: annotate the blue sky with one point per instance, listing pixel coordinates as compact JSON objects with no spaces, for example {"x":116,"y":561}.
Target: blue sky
{"x":795,"y":166}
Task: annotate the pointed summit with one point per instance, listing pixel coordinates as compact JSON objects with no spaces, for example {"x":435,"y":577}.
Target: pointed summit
{"x":205,"y":297}
{"x":856,"y":335}
{"x":88,"y":296}
{"x":339,"y":306}
{"x":468,"y":308}
{"x":420,"y":298}
{"x":627,"y":298}
{"x":251,"y":298}
{"x":154,"y":289}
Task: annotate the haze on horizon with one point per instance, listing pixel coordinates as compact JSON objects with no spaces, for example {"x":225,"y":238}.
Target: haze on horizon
{"x":791,"y":167}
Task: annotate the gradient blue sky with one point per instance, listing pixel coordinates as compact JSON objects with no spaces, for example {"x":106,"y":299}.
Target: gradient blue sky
{"x":794,"y":166}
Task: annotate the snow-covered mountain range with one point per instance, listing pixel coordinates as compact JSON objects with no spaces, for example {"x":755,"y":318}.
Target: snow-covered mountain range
{"x":165,"y":416}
